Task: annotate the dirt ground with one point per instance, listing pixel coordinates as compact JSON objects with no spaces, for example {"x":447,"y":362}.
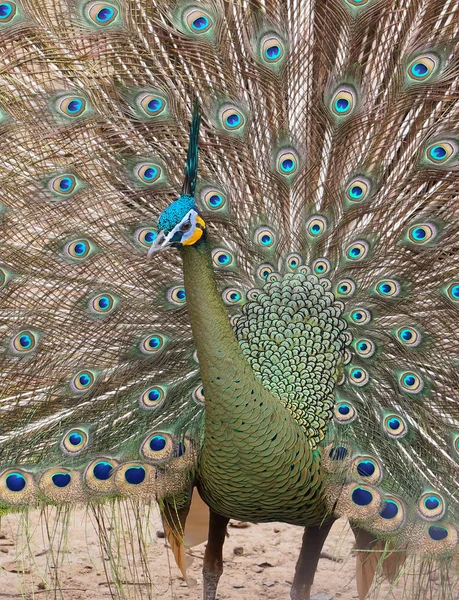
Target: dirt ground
{"x":259,"y":563}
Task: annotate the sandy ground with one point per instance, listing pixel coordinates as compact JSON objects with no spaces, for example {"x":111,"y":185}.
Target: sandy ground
{"x":259,"y":563}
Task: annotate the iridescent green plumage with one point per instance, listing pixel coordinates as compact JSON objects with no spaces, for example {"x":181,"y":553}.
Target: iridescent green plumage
{"x":296,"y":359}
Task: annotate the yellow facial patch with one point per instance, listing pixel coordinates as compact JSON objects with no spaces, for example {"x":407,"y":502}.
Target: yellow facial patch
{"x":200,"y":226}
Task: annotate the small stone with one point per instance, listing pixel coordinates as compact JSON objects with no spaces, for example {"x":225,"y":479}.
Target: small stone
{"x":13,"y":567}
{"x":268,"y":582}
{"x":4,"y":550}
{"x":160,"y":534}
{"x":257,"y":569}
{"x":238,"y":586}
{"x":238,"y":550}
{"x":322,"y":596}
{"x":239,"y":524}
{"x":277,"y":529}
{"x":41,"y":585}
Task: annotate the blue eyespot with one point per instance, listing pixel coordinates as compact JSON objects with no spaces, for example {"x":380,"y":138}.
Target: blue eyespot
{"x":432,"y":502}
{"x":71,"y":105}
{"x":344,"y":412}
{"x":157,"y":443}
{"x":362,"y":497}
{"x":177,"y":295}
{"x":343,"y":101}
{"x":15,"y":482}
{"x":438,"y":533}
{"x":101,"y":13}
{"x":213,"y":199}
{"x":61,"y":480}
{"x":153,"y":397}
{"x":272,"y":49}
{"x":80,"y":248}
{"x":389,"y":509}
{"x":360,"y":316}
{"x":366,"y":468}
{"x":338,"y":453}
{"x":152,"y":343}
{"x":197,"y":21}
{"x":135,"y":475}
{"x":75,"y":439}
{"x":453,"y":291}
{"x":359,"y":376}
{"x":388,"y":288}
{"x":356,"y":192}
{"x":395,"y":426}
{"x":222,"y":257}
{"x":102,"y":470}
{"x":7,"y":11}
{"x":423,"y":67}
{"x":411,"y":382}
{"x":233,"y":120}
{"x":200,"y":23}
{"x":357,"y":250}
{"x":358,"y":189}
{"x":265,"y":237}
{"x":442,"y":151}
{"x":82,"y":381}
{"x":287,"y":162}
{"x":23,"y":342}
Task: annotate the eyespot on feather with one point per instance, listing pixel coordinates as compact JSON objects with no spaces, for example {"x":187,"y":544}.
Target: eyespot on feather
{"x":158,"y":447}
{"x":79,"y":249}
{"x":232,"y":296}
{"x":197,"y":21}
{"x":321,"y":266}
{"x":64,"y":186}
{"x":316,"y":225}
{"x":423,"y":67}
{"x":102,"y":304}
{"x":395,"y":426}
{"x":153,"y":398}
{"x":152,"y":344}
{"x":358,"y":189}
{"x":223,"y":258}
{"x":198,"y":395}
{"x":148,"y":173}
{"x":98,"y":475}
{"x":151,"y":105}
{"x":17,"y":487}
{"x":287,"y":162}
{"x":411,"y":382}
{"x":74,"y":441}
{"x":344,"y":412}
{"x":83,"y":381}
{"x":360,"y":316}
{"x":101,"y":14}
{"x":23,"y":342}
{"x":177,"y":295}
{"x":8,"y":10}
{"x":442,"y":152}
{"x":71,"y":105}
{"x":213,"y":199}
{"x":343,"y":101}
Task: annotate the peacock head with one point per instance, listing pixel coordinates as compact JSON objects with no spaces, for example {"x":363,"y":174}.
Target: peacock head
{"x":180,"y":224}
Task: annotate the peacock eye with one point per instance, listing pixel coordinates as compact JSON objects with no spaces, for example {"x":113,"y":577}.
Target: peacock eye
{"x":101,"y":13}
{"x":186,"y":226}
{"x":8,"y":11}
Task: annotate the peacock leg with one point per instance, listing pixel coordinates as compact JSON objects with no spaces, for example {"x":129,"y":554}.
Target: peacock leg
{"x":213,"y":556}
{"x":313,"y":540}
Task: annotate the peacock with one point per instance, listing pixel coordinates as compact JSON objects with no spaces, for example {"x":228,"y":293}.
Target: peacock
{"x":229,"y":273}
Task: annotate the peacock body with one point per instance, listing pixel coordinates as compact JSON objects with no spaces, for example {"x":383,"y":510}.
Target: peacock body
{"x":296,"y":358}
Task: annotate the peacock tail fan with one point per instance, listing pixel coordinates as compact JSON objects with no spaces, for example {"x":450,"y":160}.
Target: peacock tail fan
{"x":328,"y":182}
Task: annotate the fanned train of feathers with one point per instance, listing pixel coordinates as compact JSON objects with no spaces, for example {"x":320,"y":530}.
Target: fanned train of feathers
{"x":329,"y":151}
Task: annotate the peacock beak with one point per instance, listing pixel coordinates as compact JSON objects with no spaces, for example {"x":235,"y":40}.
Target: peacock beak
{"x":161,"y":243}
